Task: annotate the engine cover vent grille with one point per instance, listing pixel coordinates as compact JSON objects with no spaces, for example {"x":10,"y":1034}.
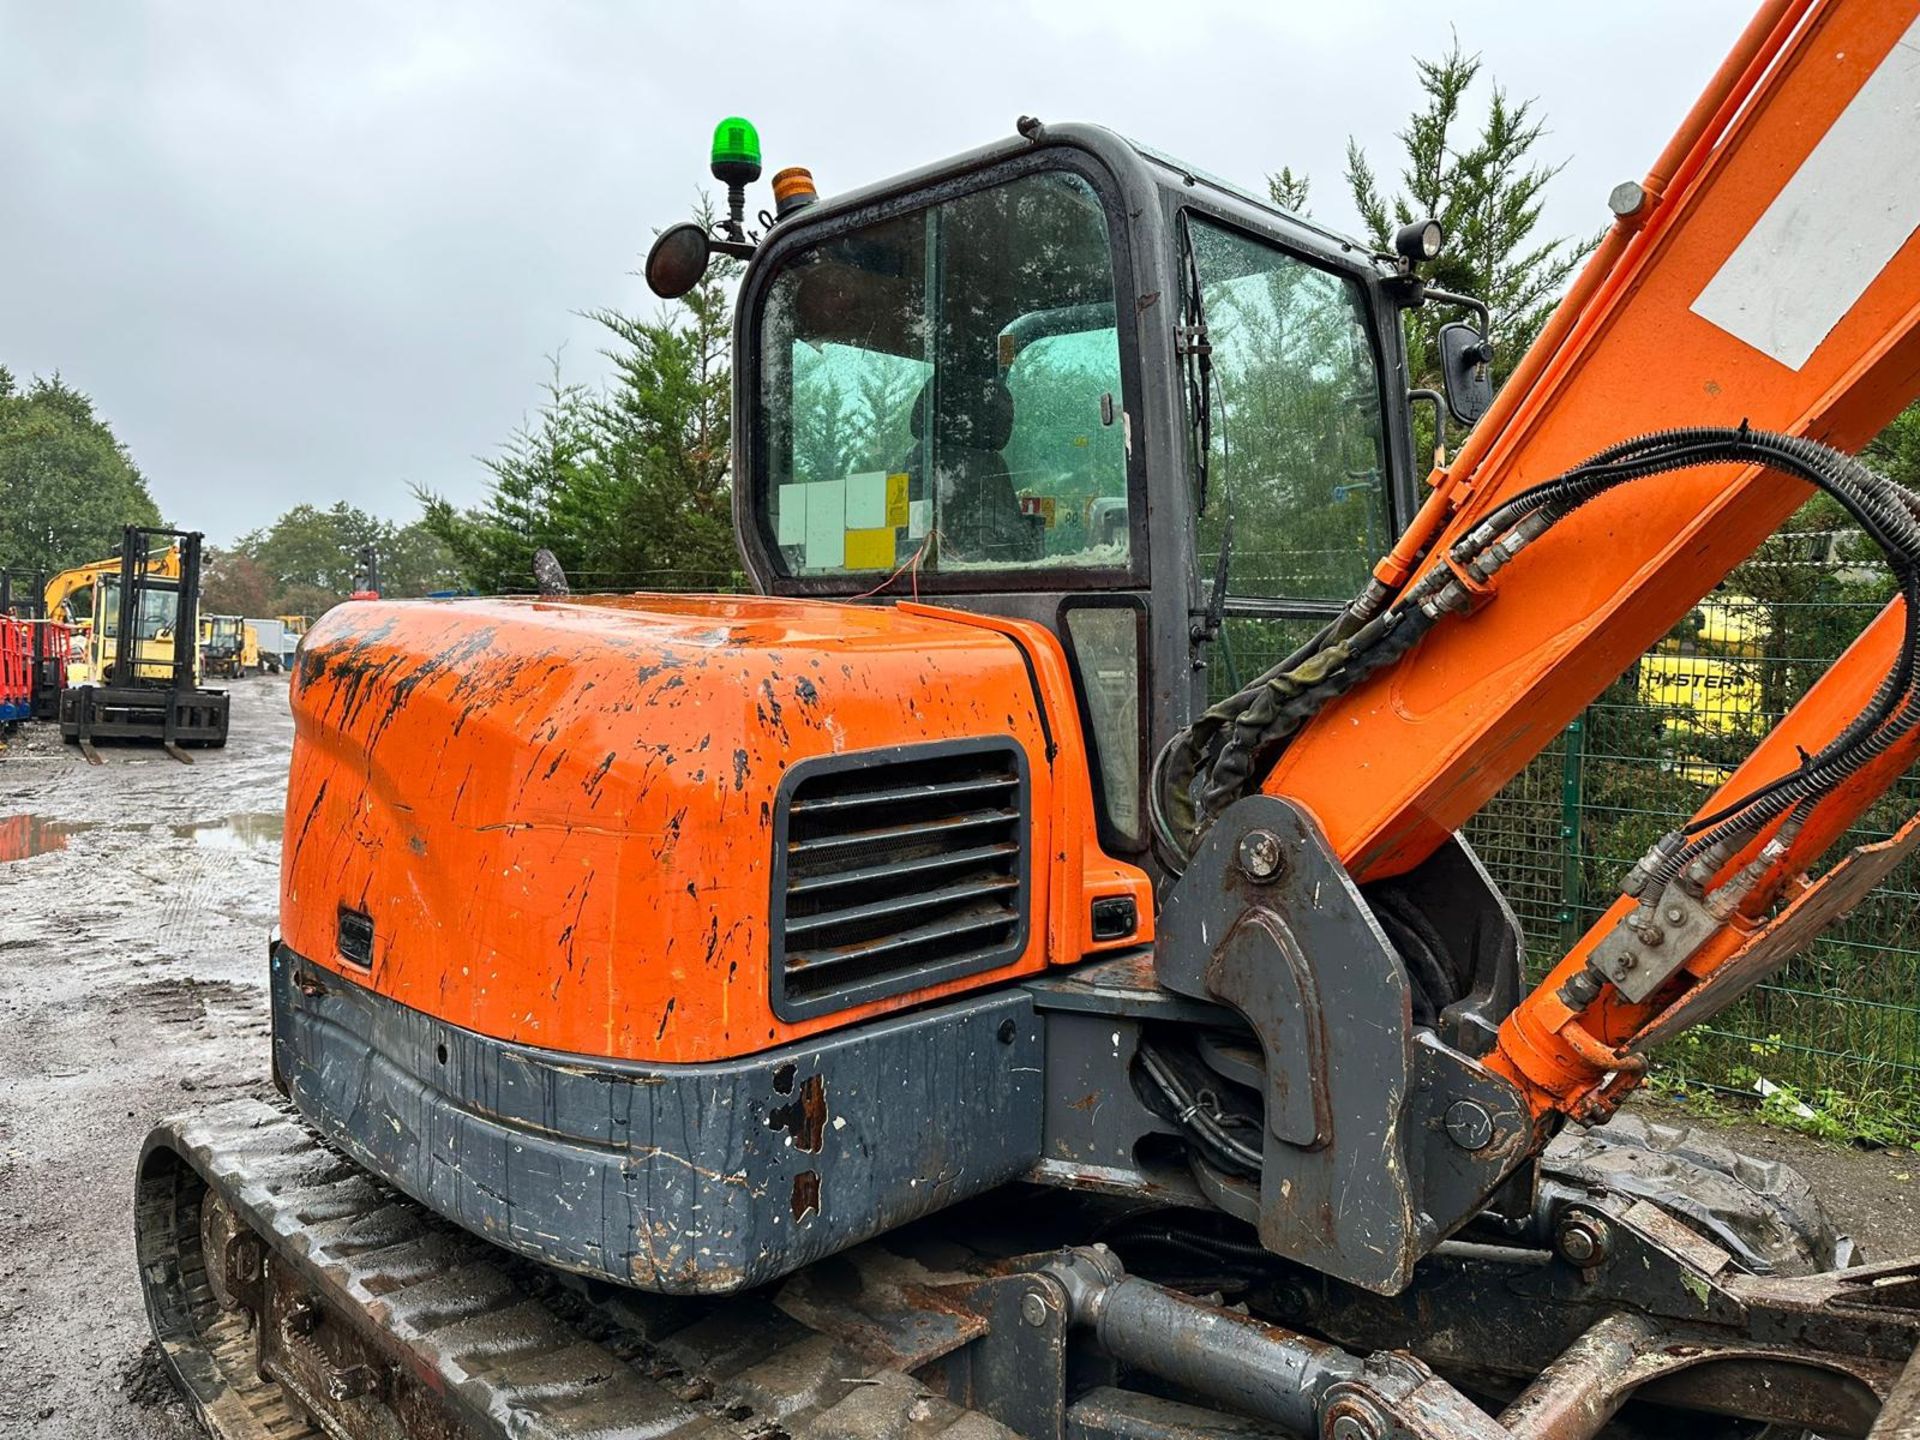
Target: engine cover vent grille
{"x":897,"y":869}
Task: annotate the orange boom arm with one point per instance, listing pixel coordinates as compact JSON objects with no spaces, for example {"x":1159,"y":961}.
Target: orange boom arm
{"x":1400,"y":762}
{"x":1766,"y":272}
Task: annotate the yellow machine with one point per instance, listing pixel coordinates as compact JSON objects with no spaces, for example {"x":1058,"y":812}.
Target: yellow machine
{"x":224,"y":644}
{"x":98,"y":581}
{"x":154,"y":631}
{"x":1704,"y":681}
{"x":62,"y":589}
{"x":249,"y":649}
{"x":150,"y":691}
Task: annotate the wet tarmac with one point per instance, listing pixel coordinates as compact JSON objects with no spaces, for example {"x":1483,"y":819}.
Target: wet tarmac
{"x":24,"y":836}
{"x":135,"y":902}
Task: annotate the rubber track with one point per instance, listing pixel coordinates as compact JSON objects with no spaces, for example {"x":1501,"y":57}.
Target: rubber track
{"x":517,"y":1350}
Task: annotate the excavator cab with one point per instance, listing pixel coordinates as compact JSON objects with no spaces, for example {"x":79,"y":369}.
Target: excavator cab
{"x":1067,"y":380}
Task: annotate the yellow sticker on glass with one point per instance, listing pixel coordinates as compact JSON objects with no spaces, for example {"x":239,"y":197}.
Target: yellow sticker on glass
{"x":897,"y":498}
{"x":870,"y":549}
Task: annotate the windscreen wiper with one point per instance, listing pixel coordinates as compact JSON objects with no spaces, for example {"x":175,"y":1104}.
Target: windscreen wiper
{"x":1196,"y":349}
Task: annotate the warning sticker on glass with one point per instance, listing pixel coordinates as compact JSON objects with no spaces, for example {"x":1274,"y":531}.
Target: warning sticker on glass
{"x":867,"y":500}
{"x":826,"y":542}
{"x":790,"y":526}
{"x":870,"y":549}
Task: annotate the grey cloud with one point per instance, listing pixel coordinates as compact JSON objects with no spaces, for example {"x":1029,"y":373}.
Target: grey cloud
{"x":319,"y":252}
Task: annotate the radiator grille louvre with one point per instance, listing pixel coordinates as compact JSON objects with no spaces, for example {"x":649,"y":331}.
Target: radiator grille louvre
{"x":900,"y":868}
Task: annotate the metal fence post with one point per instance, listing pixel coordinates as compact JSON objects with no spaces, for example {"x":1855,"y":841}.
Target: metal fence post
{"x":1571,"y":763}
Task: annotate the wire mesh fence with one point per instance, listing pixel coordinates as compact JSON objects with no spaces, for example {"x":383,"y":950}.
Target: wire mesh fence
{"x":1835,"y":1037}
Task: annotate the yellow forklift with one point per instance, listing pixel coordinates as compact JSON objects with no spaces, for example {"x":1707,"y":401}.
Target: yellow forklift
{"x":223,"y":644}
{"x":94,"y":582}
{"x":144,"y":681}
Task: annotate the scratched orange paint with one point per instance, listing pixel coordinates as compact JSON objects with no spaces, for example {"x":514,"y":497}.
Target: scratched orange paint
{"x":559,"y":815}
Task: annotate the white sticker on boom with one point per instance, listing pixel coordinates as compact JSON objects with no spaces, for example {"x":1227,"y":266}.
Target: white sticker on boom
{"x":1848,"y":208}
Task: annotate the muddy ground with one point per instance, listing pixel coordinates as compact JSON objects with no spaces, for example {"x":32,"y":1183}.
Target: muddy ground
{"x":135,"y":903}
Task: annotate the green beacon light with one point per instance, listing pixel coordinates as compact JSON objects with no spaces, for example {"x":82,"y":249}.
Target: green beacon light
{"x":736,"y":151}
{"x":736,"y":165}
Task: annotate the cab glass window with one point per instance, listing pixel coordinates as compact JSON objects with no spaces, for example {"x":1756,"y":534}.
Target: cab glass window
{"x":1105,"y":645}
{"x":1298,"y":456}
{"x":156,"y":614}
{"x":942,"y":391}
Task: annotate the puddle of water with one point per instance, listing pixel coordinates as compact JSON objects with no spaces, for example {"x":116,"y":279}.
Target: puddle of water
{"x":259,"y":830}
{"x":24,"y":836}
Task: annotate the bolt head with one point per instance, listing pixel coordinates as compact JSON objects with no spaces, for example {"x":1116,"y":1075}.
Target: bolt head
{"x":1033,"y":1308}
{"x":1260,"y":854}
{"x":1627,"y":198}
{"x":1469,"y":1125}
{"x":1582,"y":1240}
{"x":1351,"y":1427}
{"x":1675,"y":914}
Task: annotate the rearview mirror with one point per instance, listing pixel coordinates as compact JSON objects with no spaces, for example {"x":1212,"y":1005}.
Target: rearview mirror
{"x":677,"y":260}
{"x":1466,"y":371}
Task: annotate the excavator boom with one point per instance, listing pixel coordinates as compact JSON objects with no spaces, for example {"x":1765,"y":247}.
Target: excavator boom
{"x":63,"y":587}
{"x":1765,"y":274}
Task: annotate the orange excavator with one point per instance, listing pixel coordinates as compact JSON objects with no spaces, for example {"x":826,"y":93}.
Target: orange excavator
{"x":918,"y":999}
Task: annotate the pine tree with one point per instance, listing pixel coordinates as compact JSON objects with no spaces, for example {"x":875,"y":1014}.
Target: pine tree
{"x":1288,"y":190}
{"x":1486,"y":193}
{"x":628,"y":485}
{"x":546,"y":460}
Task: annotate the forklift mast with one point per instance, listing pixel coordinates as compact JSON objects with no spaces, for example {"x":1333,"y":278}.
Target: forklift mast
{"x":139,"y":697}
{"x":137,"y":582}
{"x":367,"y":583}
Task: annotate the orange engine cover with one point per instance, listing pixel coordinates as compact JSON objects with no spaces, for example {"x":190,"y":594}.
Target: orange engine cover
{"x":559,"y":818}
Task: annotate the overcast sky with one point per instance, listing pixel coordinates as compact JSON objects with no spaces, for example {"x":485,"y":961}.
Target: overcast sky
{"x":320,"y":252}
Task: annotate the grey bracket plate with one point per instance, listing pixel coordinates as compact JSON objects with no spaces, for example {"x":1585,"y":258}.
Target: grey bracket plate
{"x":1822,"y":904}
{"x":1360,"y":1175}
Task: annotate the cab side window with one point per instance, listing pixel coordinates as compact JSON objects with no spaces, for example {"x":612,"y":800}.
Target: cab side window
{"x":1299,"y":454}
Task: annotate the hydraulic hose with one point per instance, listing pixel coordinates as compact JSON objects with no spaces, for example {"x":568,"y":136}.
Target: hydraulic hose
{"x":1885,"y":512}
{"x":1227,"y":752}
